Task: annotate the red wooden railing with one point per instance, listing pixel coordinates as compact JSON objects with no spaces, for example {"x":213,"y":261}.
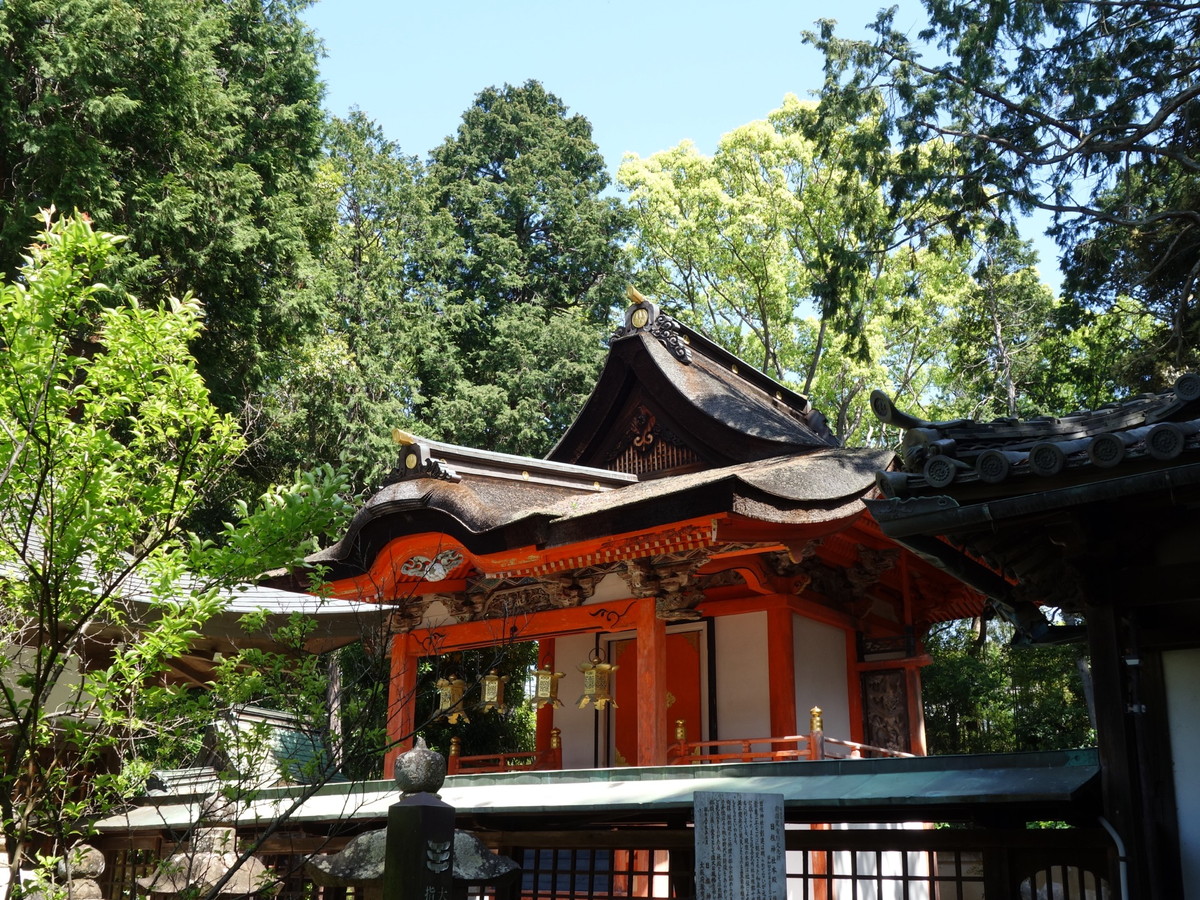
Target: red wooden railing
{"x":814,"y":745}
{"x":531,"y":761}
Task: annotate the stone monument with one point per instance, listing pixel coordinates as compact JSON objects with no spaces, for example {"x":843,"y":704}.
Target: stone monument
{"x":739,"y":846}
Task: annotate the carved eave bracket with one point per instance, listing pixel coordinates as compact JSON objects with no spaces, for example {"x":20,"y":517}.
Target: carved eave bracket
{"x":417,"y":462}
{"x":411,"y":614}
{"x":644,"y":315}
{"x":672,"y":584}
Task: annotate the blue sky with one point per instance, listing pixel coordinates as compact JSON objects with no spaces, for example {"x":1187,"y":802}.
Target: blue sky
{"x":646,"y":74}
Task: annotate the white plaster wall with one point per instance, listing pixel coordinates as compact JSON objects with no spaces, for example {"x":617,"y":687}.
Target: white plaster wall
{"x":821,"y":675}
{"x":611,"y":587}
{"x":577,"y":725}
{"x":1181,"y":669}
{"x":743,"y":705}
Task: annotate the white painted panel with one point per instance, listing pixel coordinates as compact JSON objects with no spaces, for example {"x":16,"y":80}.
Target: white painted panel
{"x":821,"y":675}
{"x":577,"y":725}
{"x":1181,"y":669}
{"x":743,"y":704}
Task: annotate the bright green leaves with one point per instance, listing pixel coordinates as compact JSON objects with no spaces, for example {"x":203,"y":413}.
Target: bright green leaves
{"x":780,"y":249}
{"x":278,"y":531}
{"x":108,"y":442}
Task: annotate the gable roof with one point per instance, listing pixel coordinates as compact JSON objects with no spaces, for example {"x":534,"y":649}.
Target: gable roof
{"x":669,"y":398}
{"x":683,"y":455}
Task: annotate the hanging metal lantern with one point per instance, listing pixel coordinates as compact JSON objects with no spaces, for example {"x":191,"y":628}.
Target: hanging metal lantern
{"x":492,"y":689}
{"x":545,"y":688}
{"x":597,"y":681}
{"x":450,"y":699}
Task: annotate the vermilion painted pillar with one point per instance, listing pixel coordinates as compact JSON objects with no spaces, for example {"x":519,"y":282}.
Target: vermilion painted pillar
{"x":402,"y":700}
{"x":781,"y":670}
{"x":854,"y":689}
{"x":652,"y":685}
{"x":916,"y":710}
{"x":545,"y":715}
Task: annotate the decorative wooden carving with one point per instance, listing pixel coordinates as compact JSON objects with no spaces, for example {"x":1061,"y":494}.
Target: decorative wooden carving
{"x":724,"y":578}
{"x":793,"y":565}
{"x":416,"y":462}
{"x":648,"y":446}
{"x":515,"y":601}
{"x":871,"y":564}
{"x":435,"y":569}
{"x":410,"y":614}
{"x":571,"y":590}
{"x":461,"y":605}
{"x":885,"y":709}
{"x":670,"y":583}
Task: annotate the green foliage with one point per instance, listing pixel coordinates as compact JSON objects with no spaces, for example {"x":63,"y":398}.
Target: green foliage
{"x":541,"y":367}
{"x":521,"y":182}
{"x":364,"y":670}
{"x":781,"y":249}
{"x":1082,"y":108}
{"x":483,"y":732}
{"x":467,"y":300}
{"x":108,"y":442}
{"x":984,"y":695}
{"x":192,"y":127}
{"x":356,"y":379}
{"x":529,"y":265}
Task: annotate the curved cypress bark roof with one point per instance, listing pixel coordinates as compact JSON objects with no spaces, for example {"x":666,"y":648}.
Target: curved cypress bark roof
{"x":490,"y":516}
{"x":665,"y":380}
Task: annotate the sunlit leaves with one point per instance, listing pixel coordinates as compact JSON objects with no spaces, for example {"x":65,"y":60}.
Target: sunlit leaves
{"x":108,"y":442}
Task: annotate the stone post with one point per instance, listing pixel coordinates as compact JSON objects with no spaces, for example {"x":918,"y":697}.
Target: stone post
{"x":419,"y":862}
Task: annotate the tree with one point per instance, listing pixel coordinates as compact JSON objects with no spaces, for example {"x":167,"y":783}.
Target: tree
{"x":1083,"y":108}
{"x":780,"y":249}
{"x":192,"y":127}
{"x":983,"y":694}
{"x":349,"y":385}
{"x":1005,"y":349}
{"x":522,"y":182}
{"x":108,"y":441}
{"x":540,"y":369}
{"x":528,"y":242}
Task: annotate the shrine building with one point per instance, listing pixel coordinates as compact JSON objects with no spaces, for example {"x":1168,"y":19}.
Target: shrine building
{"x":715,"y":610}
{"x":697,"y":539}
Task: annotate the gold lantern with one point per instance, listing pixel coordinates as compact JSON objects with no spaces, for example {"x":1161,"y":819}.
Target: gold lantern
{"x":597,"y":681}
{"x":545,"y":687}
{"x":492,"y":690}
{"x":450,"y":699}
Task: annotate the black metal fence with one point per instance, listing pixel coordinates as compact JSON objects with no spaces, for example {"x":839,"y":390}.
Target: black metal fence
{"x":823,"y":863}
